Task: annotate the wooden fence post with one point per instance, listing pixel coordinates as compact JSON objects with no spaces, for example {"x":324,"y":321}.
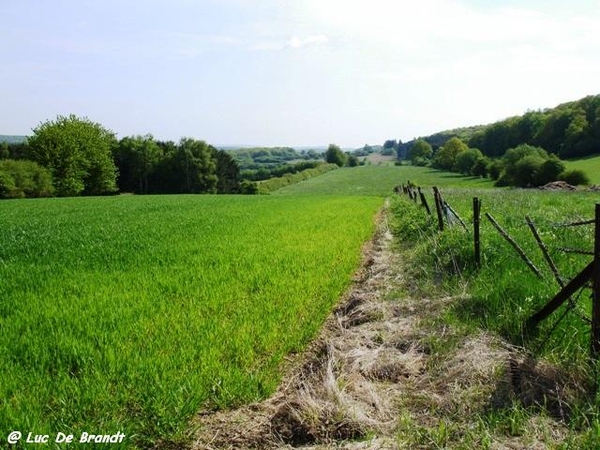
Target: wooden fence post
{"x":476,"y":241}
{"x":438,"y":207}
{"x":596,"y":289}
{"x":424,"y":202}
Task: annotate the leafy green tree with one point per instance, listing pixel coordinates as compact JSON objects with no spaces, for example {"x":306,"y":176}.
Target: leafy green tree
{"x":549,"y":171}
{"x":334,"y":155}
{"x":4,"y":152}
{"x":136,"y":159}
{"x":420,"y":149}
{"x":481,"y":167}
{"x":24,"y":178}
{"x":78,"y":154}
{"x":466,"y":159}
{"x":227,"y":171}
{"x":445,"y":158}
{"x":526,"y":170}
{"x":352,"y":161}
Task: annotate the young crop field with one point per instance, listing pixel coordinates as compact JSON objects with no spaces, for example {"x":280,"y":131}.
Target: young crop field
{"x":132,"y":313}
{"x":379,"y":181}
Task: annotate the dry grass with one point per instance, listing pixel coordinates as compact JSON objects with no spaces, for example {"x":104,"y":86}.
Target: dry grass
{"x":381,"y":376}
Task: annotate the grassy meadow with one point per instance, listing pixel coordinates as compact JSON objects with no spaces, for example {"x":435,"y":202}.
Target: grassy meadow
{"x":589,"y":164}
{"x":131,"y":313}
{"x":378,"y":180}
{"x":505,"y":292}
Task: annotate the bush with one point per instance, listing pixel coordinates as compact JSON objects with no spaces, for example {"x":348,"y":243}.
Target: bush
{"x":24,"y":179}
{"x":549,"y":171}
{"x":574,"y":177}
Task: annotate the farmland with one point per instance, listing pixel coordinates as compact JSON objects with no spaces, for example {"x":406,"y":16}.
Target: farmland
{"x":378,"y":181}
{"x":130,"y":313}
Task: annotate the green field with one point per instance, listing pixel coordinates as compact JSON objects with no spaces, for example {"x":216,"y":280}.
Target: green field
{"x":504,"y":293}
{"x":590,"y":165}
{"x":131,"y":313}
{"x":379,"y":181}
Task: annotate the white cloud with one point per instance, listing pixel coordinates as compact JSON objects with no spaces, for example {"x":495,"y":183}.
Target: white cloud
{"x":294,"y":42}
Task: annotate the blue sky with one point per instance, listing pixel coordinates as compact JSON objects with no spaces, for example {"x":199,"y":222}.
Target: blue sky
{"x":298,"y":73}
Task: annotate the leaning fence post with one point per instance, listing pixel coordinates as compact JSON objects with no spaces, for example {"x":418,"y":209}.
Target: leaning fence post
{"x":596,"y":289}
{"x":424,"y":202}
{"x":438,"y":206}
{"x":476,"y":241}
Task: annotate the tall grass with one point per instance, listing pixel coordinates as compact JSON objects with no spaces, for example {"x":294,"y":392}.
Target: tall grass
{"x":505,"y":292}
{"x":131,"y":313}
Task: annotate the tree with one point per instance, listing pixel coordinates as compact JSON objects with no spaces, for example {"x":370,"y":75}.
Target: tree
{"x":352,"y":161}
{"x":481,"y":167}
{"x":4,"y":152}
{"x":420,"y":149}
{"x":24,"y":178}
{"x":446,"y":155}
{"x":136,"y":159}
{"x":78,"y":154}
{"x":227,"y":171}
{"x":465,"y":160}
{"x":334,"y":155}
{"x":549,"y":171}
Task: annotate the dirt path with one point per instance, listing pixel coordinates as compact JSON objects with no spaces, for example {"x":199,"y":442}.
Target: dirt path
{"x":387,"y":372}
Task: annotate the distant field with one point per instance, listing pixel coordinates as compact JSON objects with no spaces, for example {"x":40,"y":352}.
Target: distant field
{"x":130,"y":313}
{"x":589,"y":164}
{"x":379,"y":181}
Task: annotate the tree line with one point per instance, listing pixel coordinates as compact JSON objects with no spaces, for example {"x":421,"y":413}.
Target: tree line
{"x":519,"y":151}
{"x":522,"y":166}
{"x":73,"y":156}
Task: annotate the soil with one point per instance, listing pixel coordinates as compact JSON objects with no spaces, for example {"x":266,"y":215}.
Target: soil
{"x":375,"y":378}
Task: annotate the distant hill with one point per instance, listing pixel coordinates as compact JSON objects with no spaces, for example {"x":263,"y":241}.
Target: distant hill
{"x":10,"y":139}
{"x":569,"y":130}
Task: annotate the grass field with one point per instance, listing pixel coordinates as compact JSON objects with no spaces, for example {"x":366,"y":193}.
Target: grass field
{"x":379,"y":181}
{"x":589,"y":164}
{"x":131,"y":313}
{"x":505,"y":292}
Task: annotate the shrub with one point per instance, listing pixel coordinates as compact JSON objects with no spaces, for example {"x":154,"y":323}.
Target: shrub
{"x":24,"y":179}
{"x":574,"y":177}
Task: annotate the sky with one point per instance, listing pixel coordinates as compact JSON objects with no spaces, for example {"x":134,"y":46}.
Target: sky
{"x":292,"y":72}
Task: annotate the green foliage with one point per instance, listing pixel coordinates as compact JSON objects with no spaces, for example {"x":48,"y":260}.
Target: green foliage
{"x":527,"y":166}
{"x":4,"y":152}
{"x":136,"y":158}
{"x":24,"y":179}
{"x":227,"y":171}
{"x":569,"y":130}
{"x":334,"y":155}
{"x":274,"y":184}
{"x":481,"y":167}
{"x":445,"y":158}
{"x":131,"y":313}
{"x":575,"y":177}
{"x":549,"y":171}
{"x":78,"y":154}
{"x":466,"y":159}
{"x":420,"y":149}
